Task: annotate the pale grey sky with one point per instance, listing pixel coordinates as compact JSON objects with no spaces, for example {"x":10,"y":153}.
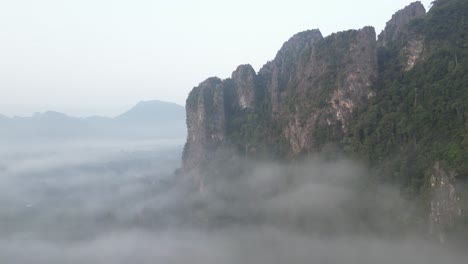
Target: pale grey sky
{"x":87,"y":57}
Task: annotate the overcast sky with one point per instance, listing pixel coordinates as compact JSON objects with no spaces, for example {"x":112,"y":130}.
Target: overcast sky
{"x":88,"y":57}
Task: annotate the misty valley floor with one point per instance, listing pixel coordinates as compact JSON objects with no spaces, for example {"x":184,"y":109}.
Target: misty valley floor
{"x":116,"y":202}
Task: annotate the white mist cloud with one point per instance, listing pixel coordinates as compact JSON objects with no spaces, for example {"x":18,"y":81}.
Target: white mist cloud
{"x":68,"y":204}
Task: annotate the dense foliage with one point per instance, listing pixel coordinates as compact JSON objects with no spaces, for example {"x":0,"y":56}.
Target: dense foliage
{"x":420,"y":116}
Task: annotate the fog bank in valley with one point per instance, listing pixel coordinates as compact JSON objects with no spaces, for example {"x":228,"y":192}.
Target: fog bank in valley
{"x":120,"y":202}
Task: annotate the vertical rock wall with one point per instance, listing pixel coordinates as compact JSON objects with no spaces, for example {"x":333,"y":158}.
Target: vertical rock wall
{"x":206,"y":122}
{"x":310,"y":89}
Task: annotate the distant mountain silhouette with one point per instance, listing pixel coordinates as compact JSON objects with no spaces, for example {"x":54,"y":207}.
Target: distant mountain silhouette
{"x":145,"y":111}
{"x":146,"y":120}
{"x":3,"y":118}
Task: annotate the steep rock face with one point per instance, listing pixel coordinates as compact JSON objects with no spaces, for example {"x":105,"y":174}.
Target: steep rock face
{"x":206,"y":122}
{"x":314,"y":83}
{"x":398,"y":102}
{"x":332,"y":79}
{"x":278,"y":73}
{"x":397,"y":34}
{"x":411,"y":51}
{"x":445,"y":202}
{"x":396,"y":26}
{"x":244,"y":78}
{"x":302,"y":99}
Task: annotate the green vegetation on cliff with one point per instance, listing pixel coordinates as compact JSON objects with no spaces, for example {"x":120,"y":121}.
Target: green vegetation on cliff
{"x":399,"y":103}
{"x":419,"y":116}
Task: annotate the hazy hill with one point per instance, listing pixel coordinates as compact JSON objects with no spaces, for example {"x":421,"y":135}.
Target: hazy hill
{"x":143,"y":112}
{"x":147,"y":120}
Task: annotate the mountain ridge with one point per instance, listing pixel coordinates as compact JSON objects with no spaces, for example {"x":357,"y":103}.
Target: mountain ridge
{"x":147,"y":119}
{"x":397,"y":102}
{"x":143,"y":102}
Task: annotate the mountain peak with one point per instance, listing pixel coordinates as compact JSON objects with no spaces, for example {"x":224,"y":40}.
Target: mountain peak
{"x":51,"y":115}
{"x":399,"y":20}
{"x":297,"y":43}
{"x":148,"y":103}
{"x":153,"y":110}
{"x":146,"y":120}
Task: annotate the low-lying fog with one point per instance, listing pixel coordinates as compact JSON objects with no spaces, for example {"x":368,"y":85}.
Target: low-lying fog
{"x":119,"y":202}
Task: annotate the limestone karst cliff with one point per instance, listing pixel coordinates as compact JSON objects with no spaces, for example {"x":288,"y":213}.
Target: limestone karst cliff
{"x":297,"y":102}
{"x":398,"y":102}
{"x":397,"y":25}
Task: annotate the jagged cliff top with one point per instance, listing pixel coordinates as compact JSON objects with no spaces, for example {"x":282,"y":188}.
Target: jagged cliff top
{"x":242,"y":72}
{"x":291,"y":49}
{"x":399,"y":20}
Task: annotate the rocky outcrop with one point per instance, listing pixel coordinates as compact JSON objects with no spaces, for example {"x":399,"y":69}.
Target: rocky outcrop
{"x":331,"y":80}
{"x":313,"y":83}
{"x":398,"y":35}
{"x":411,"y":51}
{"x":304,"y":98}
{"x":397,"y":25}
{"x":445,"y":202}
{"x":206,"y":122}
{"x":353,"y":91}
{"x":279,"y":73}
{"x":245,"y":86}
